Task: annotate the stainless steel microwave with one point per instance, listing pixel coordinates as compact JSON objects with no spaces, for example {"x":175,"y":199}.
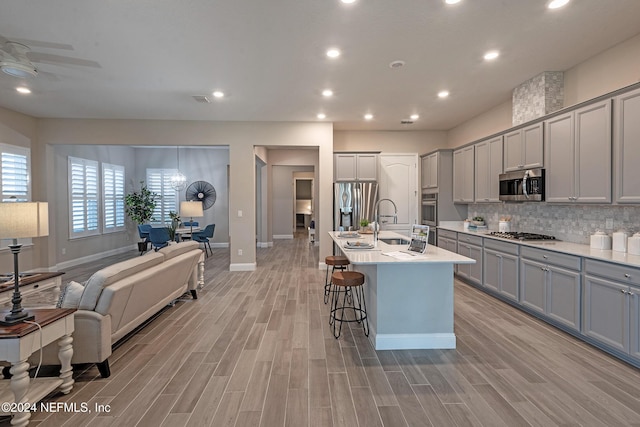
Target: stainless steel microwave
{"x":522,"y":186}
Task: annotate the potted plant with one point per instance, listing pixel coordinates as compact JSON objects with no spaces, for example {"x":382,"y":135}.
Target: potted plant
{"x":175,"y":223}
{"x":364,"y":223}
{"x":139,"y":206}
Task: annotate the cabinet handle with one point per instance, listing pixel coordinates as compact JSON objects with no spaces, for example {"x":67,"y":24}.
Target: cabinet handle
{"x":544,"y":256}
{"x":630,"y":293}
{"x":542,"y":268}
{"x":623,"y":291}
{"x":627,"y":275}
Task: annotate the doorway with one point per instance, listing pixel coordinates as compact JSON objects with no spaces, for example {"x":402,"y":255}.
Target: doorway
{"x":303,"y":201}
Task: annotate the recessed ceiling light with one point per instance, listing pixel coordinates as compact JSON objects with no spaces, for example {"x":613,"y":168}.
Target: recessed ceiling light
{"x":327,"y":92}
{"x":218,"y":94}
{"x":415,"y":117}
{"x":348,"y":1}
{"x":368,"y":116}
{"x":451,"y":1}
{"x":396,"y":64}
{"x":443,"y":94}
{"x":555,"y":4}
{"x":24,"y":90}
{"x":491,"y":55}
{"x":333,"y":53}
{"x":322,"y":116}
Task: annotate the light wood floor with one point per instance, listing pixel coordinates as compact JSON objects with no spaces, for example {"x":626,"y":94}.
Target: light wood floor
{"x":255,"y":350}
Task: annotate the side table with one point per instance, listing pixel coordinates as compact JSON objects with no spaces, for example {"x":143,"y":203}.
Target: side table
{"x":20,"y":341}
{"x":32,"y":283}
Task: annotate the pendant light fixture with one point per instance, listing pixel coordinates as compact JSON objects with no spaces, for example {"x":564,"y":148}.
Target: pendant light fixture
{"x":178,"y":181}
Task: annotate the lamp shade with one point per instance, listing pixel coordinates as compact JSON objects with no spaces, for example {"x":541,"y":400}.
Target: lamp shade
{"x":191,"y":209}
{"x":28,"y":219}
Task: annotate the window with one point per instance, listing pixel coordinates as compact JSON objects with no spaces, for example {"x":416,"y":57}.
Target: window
{"x":14,"y":173}
{"x":158,"y":181}
{"x":113,"y":198}
{"x":83,"y":197}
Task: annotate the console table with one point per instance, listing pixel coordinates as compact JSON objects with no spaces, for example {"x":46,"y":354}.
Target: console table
{"x":30,"y":284}
{"x":20,"y":341}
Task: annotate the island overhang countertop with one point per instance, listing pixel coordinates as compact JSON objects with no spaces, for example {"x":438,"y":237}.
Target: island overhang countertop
{"x":377,"y":255}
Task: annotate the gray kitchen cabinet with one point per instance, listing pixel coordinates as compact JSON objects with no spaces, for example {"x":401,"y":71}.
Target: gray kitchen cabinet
{"x":626,"y":147}
{"x":501,"y":268}
{"x":471,"y":247}
{"x":448,"y":240}
{"x":523,"y":148}
{"x":578,"y":155}
{"x":429,"y":164}
{"x":612,"y":305}
{"x":463,"y":175}
{"x":550,"y":283}
{"x":488,"y":166}
{"x":355,"y":167}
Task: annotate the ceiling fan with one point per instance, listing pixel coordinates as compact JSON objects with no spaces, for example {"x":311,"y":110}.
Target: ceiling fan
{"x":16,"y":58}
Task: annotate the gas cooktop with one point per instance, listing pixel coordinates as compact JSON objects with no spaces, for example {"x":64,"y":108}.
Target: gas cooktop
{"x":518,"y":235}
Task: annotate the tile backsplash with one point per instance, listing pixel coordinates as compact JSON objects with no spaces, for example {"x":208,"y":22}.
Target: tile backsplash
{"x":538,"y":96}
{"x":571,"y":223}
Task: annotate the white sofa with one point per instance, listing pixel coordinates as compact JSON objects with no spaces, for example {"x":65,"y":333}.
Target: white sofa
{"x":119,"y":298}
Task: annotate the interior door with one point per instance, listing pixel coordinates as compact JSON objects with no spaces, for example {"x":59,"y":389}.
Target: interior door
{"x":399,"y":182}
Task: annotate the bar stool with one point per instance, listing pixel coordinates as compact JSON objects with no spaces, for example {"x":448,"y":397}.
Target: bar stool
{"x":337,"y":262}
{"x":349,"y":284}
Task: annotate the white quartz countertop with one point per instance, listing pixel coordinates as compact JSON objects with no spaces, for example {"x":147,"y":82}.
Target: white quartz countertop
{"x":377,"y":255}
{"x":559,"y":246}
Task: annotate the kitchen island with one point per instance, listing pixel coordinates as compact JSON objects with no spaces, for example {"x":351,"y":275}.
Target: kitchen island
{"x":409,"y":300}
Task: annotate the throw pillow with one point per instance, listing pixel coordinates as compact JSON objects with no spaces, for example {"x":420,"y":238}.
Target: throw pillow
{"x":70,"y":295}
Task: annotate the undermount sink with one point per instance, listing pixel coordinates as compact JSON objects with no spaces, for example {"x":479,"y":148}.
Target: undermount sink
{"x":394,"y":241}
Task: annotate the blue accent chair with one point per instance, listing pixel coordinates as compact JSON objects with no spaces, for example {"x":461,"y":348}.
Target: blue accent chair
{"x":159,"y":238}
{"x":204,"y":236}
{"x":190,"y":223}
{"x":143,"y":232}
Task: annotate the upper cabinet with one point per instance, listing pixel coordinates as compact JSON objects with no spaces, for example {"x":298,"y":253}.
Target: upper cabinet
{"x":578,"y":155}
{"x":429,"y":165}
{"x":523,"y":148}
{"x":463,"y":175}
{"x":355,"y":167}
{"x":627,"y":147}
{"x":488,"y":167}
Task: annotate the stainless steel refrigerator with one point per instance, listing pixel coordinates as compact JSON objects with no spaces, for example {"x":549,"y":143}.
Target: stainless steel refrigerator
{"x":353,"y":201}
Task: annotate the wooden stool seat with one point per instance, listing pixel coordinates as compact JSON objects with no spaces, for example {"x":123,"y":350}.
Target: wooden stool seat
{"x":347,"y":278}
{"x":336,"y":260}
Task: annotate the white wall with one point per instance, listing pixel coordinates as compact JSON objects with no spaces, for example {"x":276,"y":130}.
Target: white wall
{"x":420,"y":142}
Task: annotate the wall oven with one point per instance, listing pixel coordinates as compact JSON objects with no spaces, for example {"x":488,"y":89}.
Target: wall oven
{"x":429,"y":214}
{"x":522,"y":186}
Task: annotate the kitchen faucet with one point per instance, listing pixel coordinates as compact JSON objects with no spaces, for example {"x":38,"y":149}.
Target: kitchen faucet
{"x":376,"y":215}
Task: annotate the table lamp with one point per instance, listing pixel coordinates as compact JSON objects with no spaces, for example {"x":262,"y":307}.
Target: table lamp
{"x":21,"y":220}
{"x":191,"y":209}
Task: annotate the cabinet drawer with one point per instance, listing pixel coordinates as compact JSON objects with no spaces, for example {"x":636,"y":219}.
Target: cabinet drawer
{"x":447,"y":233}
{"x":496,"y":245}
{"x":548,"y":257}
{"x":615,"y":272}
{"x":468,"y":238}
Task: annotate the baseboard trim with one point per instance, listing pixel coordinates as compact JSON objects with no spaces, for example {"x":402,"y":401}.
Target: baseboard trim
{"x":220,"y":245}
{"x":322,"y":266}
{"x":263,"y":245}
{"x":414,"y":341}
{"x":283,"y":237}
{"x":82,"y":260}
{"x":244,"y":266}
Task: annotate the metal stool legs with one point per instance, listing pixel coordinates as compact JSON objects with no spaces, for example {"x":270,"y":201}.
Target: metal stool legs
{"x":327,"y":280}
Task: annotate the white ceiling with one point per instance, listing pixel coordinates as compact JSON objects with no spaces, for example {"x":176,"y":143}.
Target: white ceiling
{"x":146,"y":59}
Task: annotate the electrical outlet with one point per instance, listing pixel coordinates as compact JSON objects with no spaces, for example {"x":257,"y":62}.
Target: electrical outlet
{"x":239,"y":214}
{"x":609,"y":224}
{"x":64,"y":251}
{"x":240,"y":252}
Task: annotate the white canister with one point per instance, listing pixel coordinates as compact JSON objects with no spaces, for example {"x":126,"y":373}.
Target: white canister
{"x":504,"y":226}
{"x":600,"y":240}
{"x":633,"y":244}
{"x":620,"y":241}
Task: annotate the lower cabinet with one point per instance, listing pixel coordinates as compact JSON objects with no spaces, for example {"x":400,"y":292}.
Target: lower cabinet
{"x":501,"y":268}
{"x":612,"y":306}
{"x":471,"y":247}
{"x":448,"y":240}
{"x":552,"y":290}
